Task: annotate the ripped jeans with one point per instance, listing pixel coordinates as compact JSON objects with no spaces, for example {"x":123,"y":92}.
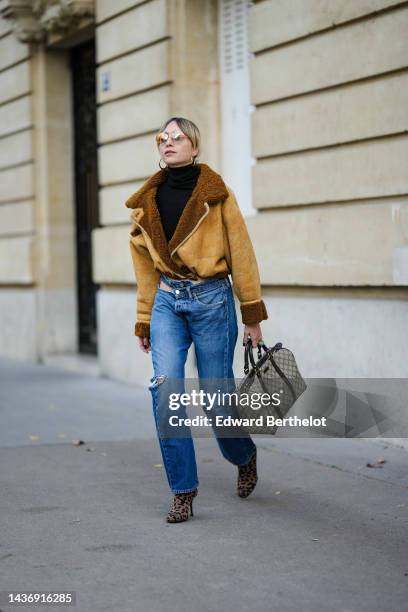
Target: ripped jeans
{"x":202,"y":313}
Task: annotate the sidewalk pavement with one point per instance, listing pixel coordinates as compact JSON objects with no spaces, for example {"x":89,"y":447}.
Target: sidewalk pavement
{"x":322,"y":531}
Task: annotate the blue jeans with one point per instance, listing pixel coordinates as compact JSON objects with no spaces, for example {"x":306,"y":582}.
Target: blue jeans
{"x":202,"y":313}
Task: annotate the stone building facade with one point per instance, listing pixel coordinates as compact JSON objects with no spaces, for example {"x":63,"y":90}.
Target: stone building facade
{"x":303,"y":108}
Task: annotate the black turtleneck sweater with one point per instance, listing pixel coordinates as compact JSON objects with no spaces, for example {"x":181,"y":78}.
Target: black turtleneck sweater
{"x":173,"y":194}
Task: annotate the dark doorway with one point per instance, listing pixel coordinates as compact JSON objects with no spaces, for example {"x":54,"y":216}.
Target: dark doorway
{"x":86,"y":189}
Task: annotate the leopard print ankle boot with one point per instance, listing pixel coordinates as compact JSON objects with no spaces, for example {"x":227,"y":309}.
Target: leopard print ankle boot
{"x":182,"y":503}
{"x":247,"y":477}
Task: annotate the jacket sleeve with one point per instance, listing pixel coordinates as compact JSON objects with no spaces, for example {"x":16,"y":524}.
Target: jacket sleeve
{"x":242,"y":261}
{"x":147,"y":279}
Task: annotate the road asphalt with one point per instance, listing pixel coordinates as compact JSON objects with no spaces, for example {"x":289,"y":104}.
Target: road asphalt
{"x":321,"y":532}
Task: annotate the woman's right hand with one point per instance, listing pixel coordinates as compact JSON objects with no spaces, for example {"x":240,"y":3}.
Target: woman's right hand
{"x":144,"y":344}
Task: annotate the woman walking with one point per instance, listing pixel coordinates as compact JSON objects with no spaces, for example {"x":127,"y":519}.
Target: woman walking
{"x":188,"y":234}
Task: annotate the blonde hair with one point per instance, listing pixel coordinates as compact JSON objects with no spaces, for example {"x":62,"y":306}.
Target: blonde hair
{"x":188,"y":128}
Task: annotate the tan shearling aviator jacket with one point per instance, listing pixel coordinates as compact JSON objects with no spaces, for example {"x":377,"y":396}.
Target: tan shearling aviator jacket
{"x":211,"y":239}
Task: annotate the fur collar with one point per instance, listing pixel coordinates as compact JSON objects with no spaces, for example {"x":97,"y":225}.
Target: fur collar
{"x":210,"y":189}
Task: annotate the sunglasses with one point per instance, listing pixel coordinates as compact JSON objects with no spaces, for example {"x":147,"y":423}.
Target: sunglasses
{"x":176,"y":136}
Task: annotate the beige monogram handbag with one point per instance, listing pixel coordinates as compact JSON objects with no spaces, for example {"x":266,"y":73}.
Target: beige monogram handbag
{"x":276,"y":377}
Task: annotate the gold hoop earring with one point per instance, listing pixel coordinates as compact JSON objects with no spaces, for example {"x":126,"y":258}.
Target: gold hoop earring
{"x":162,"y":167}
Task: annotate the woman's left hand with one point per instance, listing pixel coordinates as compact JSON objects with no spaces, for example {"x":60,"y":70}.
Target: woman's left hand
{"x":255,"y":332}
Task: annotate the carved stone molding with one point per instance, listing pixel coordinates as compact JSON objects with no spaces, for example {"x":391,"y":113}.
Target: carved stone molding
{"x":33,"y":20}
{"x":25,"y":24}
{"x":62,"y":14}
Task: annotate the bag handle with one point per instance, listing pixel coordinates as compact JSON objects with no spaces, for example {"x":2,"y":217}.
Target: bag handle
{"x":249,"y":352}
{"x":271,"y":350}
